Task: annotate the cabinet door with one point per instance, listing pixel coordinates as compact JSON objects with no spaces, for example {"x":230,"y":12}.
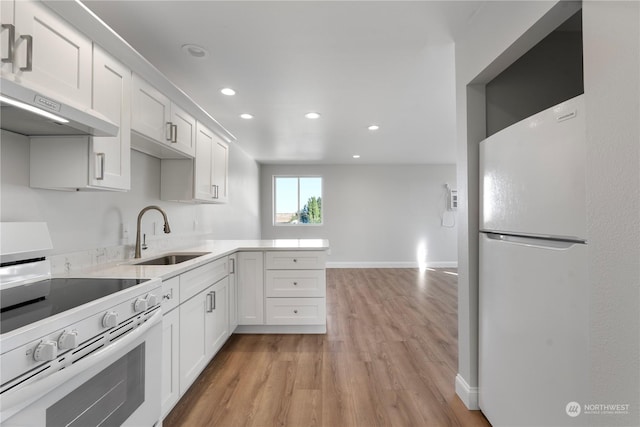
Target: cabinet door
{"x":203,"y":164}
{"x":151,"y":111}
{"x":7,"y":37}
{"x":170,"y":360}
{"x":111,"y":165}
{"x":220,"y":171}
{"x":233,"y":294}
{"x":60,"y":55}
{"x":250,"y":288}
{"x":193,"y":339}
{"x":184,"y":129}
{"x":218,"y":316}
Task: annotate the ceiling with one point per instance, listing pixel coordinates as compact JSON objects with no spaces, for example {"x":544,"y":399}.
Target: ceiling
{"x":357,"y":63}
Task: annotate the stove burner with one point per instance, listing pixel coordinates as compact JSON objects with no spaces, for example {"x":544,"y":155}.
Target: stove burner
{"x":64,"y":294}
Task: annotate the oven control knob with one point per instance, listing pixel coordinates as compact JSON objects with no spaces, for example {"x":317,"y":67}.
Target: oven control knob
{"x":141,"y":304}
{"x":110,"y":319}
{"x":152,"y":300}
{"x":68,"y":340}
{"x":45,"y":351}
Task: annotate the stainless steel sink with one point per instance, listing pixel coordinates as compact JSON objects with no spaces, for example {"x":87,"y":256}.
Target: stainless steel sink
{"x":173,"y":258}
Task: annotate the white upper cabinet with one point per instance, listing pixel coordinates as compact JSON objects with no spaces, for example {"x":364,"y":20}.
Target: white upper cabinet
{"x":43,"y":52}
{"x":7,"y":38}
{"x":167,"y":130}
{"x":111,"y":167}
{"x":201,"y":180}
{"x":184,"y":130}
{"x":204,"y":189}
{"x":220,"y":171}
{"x":91,"y":163}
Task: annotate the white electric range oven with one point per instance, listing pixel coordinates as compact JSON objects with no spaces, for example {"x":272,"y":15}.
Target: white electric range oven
{"x":78,"y":351}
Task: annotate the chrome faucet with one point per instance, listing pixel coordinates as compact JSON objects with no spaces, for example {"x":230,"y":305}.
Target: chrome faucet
{"x":167,"y":229}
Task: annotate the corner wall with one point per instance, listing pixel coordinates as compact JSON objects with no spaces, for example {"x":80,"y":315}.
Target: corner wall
{"x":374,"y":215}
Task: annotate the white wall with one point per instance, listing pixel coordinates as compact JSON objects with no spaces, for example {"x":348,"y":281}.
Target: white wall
{"x":498,"y":35}
{"x":612,"y":89}
{"x":374,"y":215}
{"x":87,"y":220}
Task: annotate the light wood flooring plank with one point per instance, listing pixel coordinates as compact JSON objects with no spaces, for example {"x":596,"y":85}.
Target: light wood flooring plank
{"x":389,"y":358}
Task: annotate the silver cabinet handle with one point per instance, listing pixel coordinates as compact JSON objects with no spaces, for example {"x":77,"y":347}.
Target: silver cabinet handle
{"x":29,"y":66}
{"x":174,"y":133}
{"x":209,"y":302}
{"x":295,"y":260}
{"x":215,"y":191}
{"x":295,"y":311}
{"x":295,"y":283}
{"x":168,"y":131}
{"x":214,"y":299}
{"x":102,"y":158}
{"x":12,"y":43}
{"x":169,"y":295}
{"x":233,"y":265}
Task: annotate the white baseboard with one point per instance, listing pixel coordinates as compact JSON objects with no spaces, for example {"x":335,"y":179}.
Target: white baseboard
{"x":411,"y":264}
{"x":466,"y":393}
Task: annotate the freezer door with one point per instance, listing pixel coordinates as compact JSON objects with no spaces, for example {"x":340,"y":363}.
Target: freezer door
{"x":533,"y":331}
{"x":532,"y":175}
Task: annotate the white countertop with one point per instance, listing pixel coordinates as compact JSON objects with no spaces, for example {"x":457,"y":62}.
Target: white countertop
{"x":216,"y":249}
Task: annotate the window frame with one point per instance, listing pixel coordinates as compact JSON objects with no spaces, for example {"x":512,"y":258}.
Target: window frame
{"x":273,"y":200}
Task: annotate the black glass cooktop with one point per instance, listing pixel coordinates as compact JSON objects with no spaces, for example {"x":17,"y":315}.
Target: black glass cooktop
{"x":64,"y":294}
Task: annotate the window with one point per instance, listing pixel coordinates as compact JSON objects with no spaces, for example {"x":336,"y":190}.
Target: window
{"x":297,"y":200}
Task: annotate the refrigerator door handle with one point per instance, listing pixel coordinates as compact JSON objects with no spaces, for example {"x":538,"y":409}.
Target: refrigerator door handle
{"x":539,"y":242}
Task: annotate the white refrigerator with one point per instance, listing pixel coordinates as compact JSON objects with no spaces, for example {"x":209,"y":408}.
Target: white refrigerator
{"x":533,"y":295}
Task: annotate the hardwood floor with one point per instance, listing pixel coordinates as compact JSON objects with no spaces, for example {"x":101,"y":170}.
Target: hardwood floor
{"x":389,"y":358}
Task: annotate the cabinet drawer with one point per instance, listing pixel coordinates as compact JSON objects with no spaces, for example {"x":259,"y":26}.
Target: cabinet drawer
{"x":295,"y":260}
{"x":295,"y":283}
{"x":170,"y":294}
{"x":296,"y":311}
{"x":198,"y":279}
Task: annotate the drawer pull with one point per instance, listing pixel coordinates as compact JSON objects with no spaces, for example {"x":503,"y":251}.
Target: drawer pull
{"x":295,"y":311}
{"x":295,"y":260}
{"x":295,"y":283}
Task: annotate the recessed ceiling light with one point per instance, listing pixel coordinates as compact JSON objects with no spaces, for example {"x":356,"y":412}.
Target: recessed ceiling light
{"x":373,"y":127}
{"x":195,"y":51}
{"x":227,"y":91}
{"x":312,"y":115}
{"x":356,"y":156}
{"x":246,"y":116}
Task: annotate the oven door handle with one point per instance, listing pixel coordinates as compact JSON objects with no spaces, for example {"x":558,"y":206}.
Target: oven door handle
{"x":25,"y":396}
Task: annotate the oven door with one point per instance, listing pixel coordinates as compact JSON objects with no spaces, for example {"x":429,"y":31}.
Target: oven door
{"x":118,"y":385}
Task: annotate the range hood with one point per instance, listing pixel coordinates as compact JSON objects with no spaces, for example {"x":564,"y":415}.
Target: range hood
{"x":26,"y":112}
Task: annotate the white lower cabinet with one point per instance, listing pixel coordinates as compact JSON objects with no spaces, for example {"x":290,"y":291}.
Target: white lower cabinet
{"x":281,"y":292}
{"x":170,"y":360}
{"x":250,"y":288}
{"x":195,"y":326}
{"x":193,"y":339}
{"x":233,"y":293}
{"x":295,"y":288}
{"x":170,"y":344}
{"x":217,"y":320}
{"x":204,"y":328}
